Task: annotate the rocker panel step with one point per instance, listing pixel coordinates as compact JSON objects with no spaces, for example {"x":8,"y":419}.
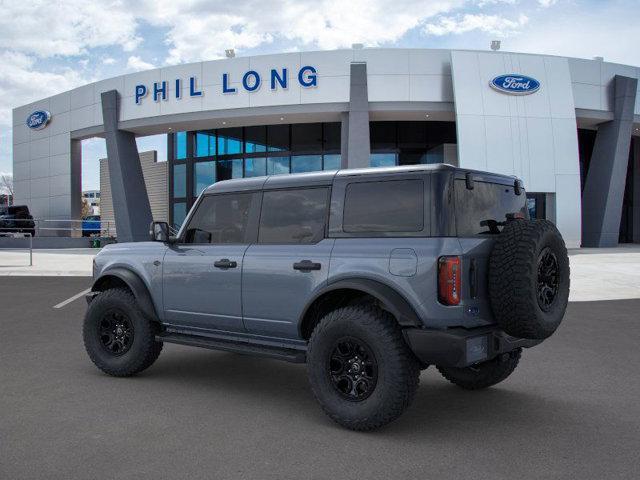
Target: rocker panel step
{"x":286,"y":354}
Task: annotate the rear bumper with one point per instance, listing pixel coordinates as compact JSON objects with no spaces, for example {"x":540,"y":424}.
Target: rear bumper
{"x":460,"y":347}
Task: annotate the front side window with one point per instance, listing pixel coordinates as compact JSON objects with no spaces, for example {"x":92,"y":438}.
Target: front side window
{"x":293,"y":216}
{"x":220,"y":219}
{"x":389,"y":206}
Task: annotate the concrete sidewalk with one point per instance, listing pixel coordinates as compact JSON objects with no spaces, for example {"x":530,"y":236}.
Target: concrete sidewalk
{"x":69,"y":262}
{"x":596,"y":274}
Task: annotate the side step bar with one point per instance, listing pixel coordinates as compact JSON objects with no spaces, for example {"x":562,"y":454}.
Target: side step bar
{"x":280,"y":353}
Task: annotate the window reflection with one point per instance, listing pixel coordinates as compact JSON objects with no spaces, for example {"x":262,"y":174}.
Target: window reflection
{"x":205,"y":144}
{"x":228,"y":169}
{"x":332,"y":162}
{"x":382,"y":160}
{"x":277,"y":165}
{"x":204,"y":174}
{"x":255,"y":167}
{"x":180,"y":146}
{"x":255,"y":139}
{"x":229,"y":141}
{"x":180,"y":180}
{"x":179,"y":214}
{"x":306,"y":163}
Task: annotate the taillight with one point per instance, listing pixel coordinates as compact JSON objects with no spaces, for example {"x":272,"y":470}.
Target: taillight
{"x":449,"y":275}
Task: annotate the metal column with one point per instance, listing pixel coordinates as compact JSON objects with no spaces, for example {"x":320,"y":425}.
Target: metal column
{"x":604,"y":187}
{"x":129,"y":193}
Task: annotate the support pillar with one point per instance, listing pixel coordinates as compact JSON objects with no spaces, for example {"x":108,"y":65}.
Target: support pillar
{"x":357,"y":142}
{"x":636,"y":190}
{"x":604,"y":187}
{"x":129,"y":193}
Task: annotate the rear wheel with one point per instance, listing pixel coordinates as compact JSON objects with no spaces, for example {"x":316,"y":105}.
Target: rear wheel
{"x":361,"y":371}
{"x":484,"y":374}
{"x":118,"y":337}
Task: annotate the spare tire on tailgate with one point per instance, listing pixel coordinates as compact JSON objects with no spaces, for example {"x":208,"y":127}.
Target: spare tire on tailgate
{"x":529,"y":278}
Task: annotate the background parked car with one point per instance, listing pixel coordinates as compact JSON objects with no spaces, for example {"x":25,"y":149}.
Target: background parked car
{"x":91,"y":225}
{"x":17,"y":219}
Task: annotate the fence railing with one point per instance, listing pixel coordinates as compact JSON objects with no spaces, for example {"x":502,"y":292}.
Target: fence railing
{"x":59,"y":228}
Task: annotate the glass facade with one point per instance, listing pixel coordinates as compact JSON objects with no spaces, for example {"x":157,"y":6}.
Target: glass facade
{"x":201,"y":158}
{"x":408,"y":143}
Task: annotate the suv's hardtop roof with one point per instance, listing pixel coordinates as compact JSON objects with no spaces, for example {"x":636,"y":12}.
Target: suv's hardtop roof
{"x":324,"y":178}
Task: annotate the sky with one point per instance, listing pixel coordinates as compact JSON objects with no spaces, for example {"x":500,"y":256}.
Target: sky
{"x":47,"y":47}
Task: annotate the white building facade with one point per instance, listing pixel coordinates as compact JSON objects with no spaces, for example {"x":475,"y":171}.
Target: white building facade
{"x":565,"y":126}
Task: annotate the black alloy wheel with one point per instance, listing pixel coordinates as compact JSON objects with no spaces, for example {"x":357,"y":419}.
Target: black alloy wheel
{"x":353,"y":369}
{"x":116,"y":333}
{"x":548,"y":281}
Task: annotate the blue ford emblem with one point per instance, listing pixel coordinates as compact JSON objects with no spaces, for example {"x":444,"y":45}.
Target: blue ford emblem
{"x":38,"y":119}
{"x":515,"y":84}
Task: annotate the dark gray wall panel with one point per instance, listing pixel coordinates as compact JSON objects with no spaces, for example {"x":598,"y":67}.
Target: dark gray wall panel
{"x":358,"y":146}
{"x":604,"y":187}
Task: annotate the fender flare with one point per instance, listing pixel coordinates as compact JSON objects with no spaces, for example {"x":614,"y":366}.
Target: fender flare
{"x":392,"y":301}
{"x":135,"y":284}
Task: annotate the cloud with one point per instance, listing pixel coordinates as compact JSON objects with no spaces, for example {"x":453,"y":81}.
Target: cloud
{"x":587,"y":37}
{"x":21,"y":83}
{"x":547,"y":3}
{"x":214,"y":26}
{"x":72,"y":27}
{"x":135,"y":63}
{"x":491,"y":24}
{"x":108,"y":61}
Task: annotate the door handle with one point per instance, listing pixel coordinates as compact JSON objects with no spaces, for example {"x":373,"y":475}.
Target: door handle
{"x":225,"y":263}
{"x":306,"y":265}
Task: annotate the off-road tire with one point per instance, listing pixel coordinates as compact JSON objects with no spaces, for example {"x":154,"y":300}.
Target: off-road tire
{"x":484,"y":374}
{"x":398,"y":371}
{"x":144,"y":349}
{"x":514,"y":278}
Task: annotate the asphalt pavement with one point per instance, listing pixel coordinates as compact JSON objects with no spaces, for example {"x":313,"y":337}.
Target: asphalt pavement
{"x":571,"y":410}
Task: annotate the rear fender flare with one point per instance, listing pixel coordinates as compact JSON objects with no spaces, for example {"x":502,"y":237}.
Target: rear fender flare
{"x":390,"y":299}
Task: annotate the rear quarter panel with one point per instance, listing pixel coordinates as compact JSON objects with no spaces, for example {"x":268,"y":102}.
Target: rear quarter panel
{"x":370,"y":259}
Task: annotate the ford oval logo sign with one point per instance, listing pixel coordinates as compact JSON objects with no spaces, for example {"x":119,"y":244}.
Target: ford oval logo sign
{"x":38,"y":119}
{"x":515,"y":84}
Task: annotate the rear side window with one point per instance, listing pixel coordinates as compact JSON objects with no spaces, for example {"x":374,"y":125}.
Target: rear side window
{"x":295,"y":216}
{"x":481,"y":211}
{"x":220,"y":219}
{"x":389,"y":206}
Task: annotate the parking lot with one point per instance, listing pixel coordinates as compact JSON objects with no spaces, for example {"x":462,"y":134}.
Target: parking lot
{"x":570,"y":410}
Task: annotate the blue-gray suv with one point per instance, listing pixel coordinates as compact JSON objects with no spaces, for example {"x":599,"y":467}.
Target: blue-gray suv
{"x":366,"y":275}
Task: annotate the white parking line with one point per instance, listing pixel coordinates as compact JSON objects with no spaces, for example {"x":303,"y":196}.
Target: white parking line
{"x":75,"y":297}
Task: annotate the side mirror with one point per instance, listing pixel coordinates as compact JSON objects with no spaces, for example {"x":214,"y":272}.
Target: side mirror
{"x":159,"y":231}
{"x":518,"y":187}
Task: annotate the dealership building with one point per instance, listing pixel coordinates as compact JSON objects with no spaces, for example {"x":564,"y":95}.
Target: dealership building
{"x":568,"y":127}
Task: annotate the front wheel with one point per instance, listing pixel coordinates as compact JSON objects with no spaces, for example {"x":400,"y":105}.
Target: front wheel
{"x":361,"y":371}
{"x":118,"y":337}
{"x":485,"y":374}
